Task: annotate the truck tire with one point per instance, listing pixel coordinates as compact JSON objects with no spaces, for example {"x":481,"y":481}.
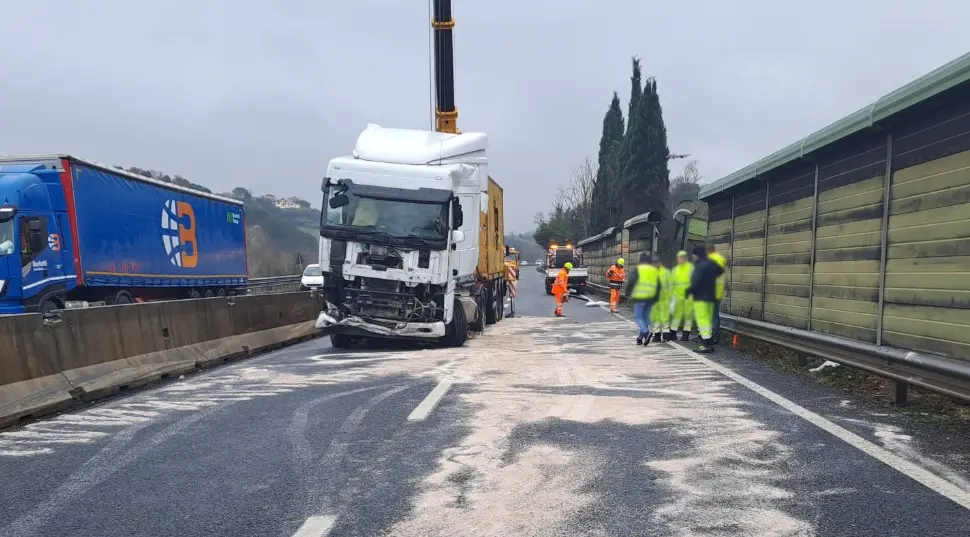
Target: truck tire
{"x":208,"y":293}
{"x":121,"y":298}
{"x":548,"y":287}
{"x":47,"y":306}
{"x":492,"y":296}
{"x":341,"y":341}
{"x":221,"y":292}
{"x":477,"y":324}
{"x":456,"y":333}
{"x":194,"y":293}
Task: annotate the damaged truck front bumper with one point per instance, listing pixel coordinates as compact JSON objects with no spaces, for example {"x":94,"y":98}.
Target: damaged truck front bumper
{"x":331,"y":323}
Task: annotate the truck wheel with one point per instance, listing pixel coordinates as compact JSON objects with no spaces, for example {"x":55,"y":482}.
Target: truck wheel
{"x":221,"y":292}
{"x":456,"y":333}
{"x":122,"y":298}
{"x":341,"y":341}
{"x":491,"y":297}
{"x":194,"y":293}
{"x":47,"y":306}
{"x":478,"y":323}
{"x":548,"y":288}
{"x":209,"y":293}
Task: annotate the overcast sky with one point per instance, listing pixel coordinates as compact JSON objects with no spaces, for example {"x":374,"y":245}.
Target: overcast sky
{"x":261,"y":94}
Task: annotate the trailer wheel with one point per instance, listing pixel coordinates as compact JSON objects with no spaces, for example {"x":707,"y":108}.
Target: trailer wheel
{"x":194,"y":293}
{"x":121,"y":298}
{"x":209,"y":293}
{"x":456,"y":333}
{"x":478,"y":323}
{"x":221,"y":292}
{"x":491,"y":303}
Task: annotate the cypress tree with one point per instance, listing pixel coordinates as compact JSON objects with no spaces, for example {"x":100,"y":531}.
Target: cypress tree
{"x":602,"y":214}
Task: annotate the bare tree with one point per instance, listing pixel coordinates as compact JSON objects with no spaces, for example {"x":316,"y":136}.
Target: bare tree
{"x":686,"y":187}
{"x":691,"y":175}
{"x":577,"y":195}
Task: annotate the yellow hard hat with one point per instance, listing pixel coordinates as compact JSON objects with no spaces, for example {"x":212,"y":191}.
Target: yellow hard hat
{"x":568,"y":266}
{"x":682,"y":253}
{"x":620,"y":261}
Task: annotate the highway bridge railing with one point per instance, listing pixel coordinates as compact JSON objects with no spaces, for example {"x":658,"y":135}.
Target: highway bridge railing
{"x":939,"y":374}
{"x":273,"y":284}
{"x":935,"y":373}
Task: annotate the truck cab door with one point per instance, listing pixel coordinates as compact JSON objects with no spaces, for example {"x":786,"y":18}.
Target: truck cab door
{"x":40,"y":257}
{"x":465,"y":253}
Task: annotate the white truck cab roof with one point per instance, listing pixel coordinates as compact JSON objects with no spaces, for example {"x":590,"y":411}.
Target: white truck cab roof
{"x":407,"y":146}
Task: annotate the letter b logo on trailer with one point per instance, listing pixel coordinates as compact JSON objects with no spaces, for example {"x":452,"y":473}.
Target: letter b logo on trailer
{"x":178,"y":234}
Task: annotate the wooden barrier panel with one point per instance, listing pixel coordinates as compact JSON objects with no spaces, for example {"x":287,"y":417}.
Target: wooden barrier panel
{"x":927,"y":286}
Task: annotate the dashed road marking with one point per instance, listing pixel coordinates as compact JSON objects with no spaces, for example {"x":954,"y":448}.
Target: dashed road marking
{"x":431,"y":401}
{"x":316,"y":526}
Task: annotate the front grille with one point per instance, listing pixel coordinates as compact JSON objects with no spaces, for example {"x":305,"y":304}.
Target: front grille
{"x":380,"y":299}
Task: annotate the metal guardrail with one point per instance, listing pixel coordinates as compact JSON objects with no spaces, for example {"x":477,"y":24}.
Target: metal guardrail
{"x":935,"y":373}
{"x":938,"y":374}
{"x":273,"y":284}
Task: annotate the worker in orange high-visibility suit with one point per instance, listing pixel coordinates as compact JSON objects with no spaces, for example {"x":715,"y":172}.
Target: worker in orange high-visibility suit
{"x":560,"y":288}
{"x":615,"y":275}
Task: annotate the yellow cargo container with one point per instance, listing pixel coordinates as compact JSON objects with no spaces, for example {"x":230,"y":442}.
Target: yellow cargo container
{"x":491,"y":249}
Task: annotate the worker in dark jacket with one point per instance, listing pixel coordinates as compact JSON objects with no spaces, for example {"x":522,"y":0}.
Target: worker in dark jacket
{"x":703,"y":283}
{"x":643,"y":288}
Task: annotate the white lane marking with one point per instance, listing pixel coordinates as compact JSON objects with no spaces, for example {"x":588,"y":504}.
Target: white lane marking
{"x":932,"y":481}
{"x":431,"y":401}
{"x":901,"y":465}
{"x":316,"y":526}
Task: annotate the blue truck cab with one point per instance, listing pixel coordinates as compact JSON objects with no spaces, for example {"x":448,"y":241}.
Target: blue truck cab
{"x":32,"y":236}
{"x":73,"y":230}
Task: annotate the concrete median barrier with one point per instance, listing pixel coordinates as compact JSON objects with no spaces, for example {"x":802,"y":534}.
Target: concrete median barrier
{"x":46,"y":365}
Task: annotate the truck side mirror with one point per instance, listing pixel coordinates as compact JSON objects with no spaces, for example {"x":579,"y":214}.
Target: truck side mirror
{"x":340,"y":200}
{"x":458,"y":217}
{"x":457,"y":236}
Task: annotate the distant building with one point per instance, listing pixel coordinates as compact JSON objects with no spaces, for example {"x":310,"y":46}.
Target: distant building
{"x":287,"y":204}
{"x":269,"y":197}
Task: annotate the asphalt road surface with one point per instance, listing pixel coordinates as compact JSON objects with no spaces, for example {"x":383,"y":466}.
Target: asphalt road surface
{"x":543,"y":426}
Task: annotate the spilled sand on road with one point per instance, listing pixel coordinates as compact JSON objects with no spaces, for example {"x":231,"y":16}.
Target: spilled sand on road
{"x":725,"y":476}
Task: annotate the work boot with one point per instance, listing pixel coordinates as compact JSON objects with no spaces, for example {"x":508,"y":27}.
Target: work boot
{"x":706,"y":347}
{"x":640,"y":338}
{"x":647,"y":338}
{"x":685,"y":335}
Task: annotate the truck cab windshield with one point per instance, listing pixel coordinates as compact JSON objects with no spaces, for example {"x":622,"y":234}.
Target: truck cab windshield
{"x":369,"y":213}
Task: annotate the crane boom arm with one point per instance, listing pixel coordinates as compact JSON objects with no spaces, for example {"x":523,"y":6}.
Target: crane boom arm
{"x":446,"y":113}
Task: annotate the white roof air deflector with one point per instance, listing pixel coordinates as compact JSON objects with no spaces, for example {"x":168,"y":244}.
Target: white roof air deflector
{"x":406,"y":146}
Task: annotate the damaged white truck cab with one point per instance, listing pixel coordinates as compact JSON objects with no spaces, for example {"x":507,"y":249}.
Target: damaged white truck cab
{"x":399,"y":236}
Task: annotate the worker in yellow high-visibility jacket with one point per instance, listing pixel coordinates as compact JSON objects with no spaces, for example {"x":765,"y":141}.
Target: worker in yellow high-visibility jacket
{"x":702,"y":290}
{"x":660,"y":316}
{"x":683,"y":318}
{"x":718,"y":291}
{"x":642,"y":288}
